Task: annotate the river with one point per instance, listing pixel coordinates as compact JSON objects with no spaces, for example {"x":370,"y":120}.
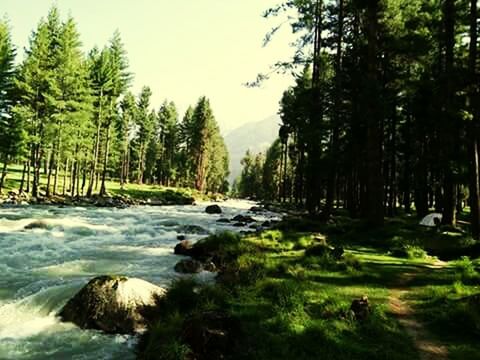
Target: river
{"x":41,"y":268}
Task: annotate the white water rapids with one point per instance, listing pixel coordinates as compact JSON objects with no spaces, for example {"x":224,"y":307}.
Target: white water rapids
{"x":41,"y":268}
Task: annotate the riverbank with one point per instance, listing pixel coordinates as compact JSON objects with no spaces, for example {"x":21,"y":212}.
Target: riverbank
{"x":289,"y":293}
{"x":117,"y":195}
{"x":120,"y":199}
{"x":46,"y":265}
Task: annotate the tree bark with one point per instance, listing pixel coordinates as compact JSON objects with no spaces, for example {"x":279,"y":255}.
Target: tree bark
{"x":474,"y":146}
{"x":50,"y":171}
{"x":22,"y":181}
{"x":449,"y":129}
{"x":374,"y":176}
{"x":332,"y":174}
{"x":65,"y":171}
{"x":96,"y":148}
{"x":4,"y":173}
{"x":315,"y":121}
{"x":103,"y":189}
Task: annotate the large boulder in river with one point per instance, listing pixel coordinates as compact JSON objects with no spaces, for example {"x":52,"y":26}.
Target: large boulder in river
{"x":244,"y":219}
{"x":36,"y":224}
{"x":213,"y":209}
{"x":183,"y":248}
{"x":113,"y":304}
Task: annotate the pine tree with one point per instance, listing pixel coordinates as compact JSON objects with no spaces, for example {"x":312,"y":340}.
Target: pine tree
{"x":210,"y":169}
{"x":168,"y":131}
{"x":145,"y":129}
{"x":36,"y":88}
{"x":71,"y":125}
{"x":120,"y":80}
{"x":125,"y":129}
{"x":101,"y":79}
{"x":12,"y":133}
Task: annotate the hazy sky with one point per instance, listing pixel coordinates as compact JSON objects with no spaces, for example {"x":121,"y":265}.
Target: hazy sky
{"x":182,"y":49}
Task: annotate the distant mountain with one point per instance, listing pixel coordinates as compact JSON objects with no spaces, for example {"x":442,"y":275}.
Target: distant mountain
{"x":256,"y":136}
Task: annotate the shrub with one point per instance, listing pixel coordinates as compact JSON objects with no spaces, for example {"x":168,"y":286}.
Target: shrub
{"x":465,"y":269}
{"x":410,"y":252}
{"x":415,"y":252}
{"x":287,"y":297}
{"x":351,"y":262}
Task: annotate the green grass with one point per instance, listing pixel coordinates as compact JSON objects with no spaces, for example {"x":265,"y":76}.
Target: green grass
{"x":446,"y":300}
{"x":293,"y":306}
{"x":144,"y":192}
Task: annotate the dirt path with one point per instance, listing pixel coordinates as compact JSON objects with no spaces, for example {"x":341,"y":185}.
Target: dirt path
{"x":428,"y":348}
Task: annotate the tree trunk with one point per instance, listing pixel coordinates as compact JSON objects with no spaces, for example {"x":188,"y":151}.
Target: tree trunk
{"x":407,"y":170}
{"x":78,"y":172}
{"x":127,"y":168}
{"x":449,"y":129}
{"x":374,"y":176}
{"x":140,"y":165}
{"x":285,"y":163}
{"x":332,"y":173}
{"x":50,"y":170}
{"x":36,"y":170}
{"x":474,"y":146}
{"x":22,"y":182}
{"x":65,"y":171}
{"x":55,"y":178}
{"x":28,"y":175}
{"x":72,"y":177}
{"x":316,"y":118}
{"x":4,"y":173}
{"x":103,"y":189}
{"x":96,"y":148}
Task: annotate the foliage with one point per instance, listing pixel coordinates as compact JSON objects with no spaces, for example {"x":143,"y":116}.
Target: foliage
{"x":74,"y":115}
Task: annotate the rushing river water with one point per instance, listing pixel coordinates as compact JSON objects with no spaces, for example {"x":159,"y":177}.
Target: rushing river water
{"x":40,"y":269}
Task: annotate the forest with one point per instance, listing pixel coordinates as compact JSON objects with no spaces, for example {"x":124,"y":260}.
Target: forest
{"x":383,"y":117}
{"x":71,"y":117}
{"x":354,"y":235}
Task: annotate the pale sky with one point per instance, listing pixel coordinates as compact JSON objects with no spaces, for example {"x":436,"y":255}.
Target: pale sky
{"x":182,"y":49}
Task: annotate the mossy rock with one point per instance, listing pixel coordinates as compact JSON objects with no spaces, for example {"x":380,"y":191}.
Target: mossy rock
{"x":213,"y":209}
{"x":183,"y":248}
{"x":113,"y":304}
{"x":189,"y":266}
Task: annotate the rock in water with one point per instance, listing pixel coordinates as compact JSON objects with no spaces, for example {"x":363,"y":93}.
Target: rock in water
{"x":213,"y":209}
{"x":244,"y":219}
{"x":189,"y":266}
{"x":183,"y":248}
{"x":223,"y":220}
{"x":113,"y":304}
{"x":37,"y":224}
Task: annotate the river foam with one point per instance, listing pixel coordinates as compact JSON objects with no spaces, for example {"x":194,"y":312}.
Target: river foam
{"x":43,"y":266}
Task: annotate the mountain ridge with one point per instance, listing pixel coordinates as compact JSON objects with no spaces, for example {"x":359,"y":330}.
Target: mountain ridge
{"x":254,"y":136}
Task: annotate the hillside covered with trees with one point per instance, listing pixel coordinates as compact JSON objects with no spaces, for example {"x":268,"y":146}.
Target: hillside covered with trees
{"x":71,"y":117}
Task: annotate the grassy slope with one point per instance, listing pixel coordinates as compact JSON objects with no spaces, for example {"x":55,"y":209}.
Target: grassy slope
{"x":293,"y":306}
{"x":135,"y":191}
